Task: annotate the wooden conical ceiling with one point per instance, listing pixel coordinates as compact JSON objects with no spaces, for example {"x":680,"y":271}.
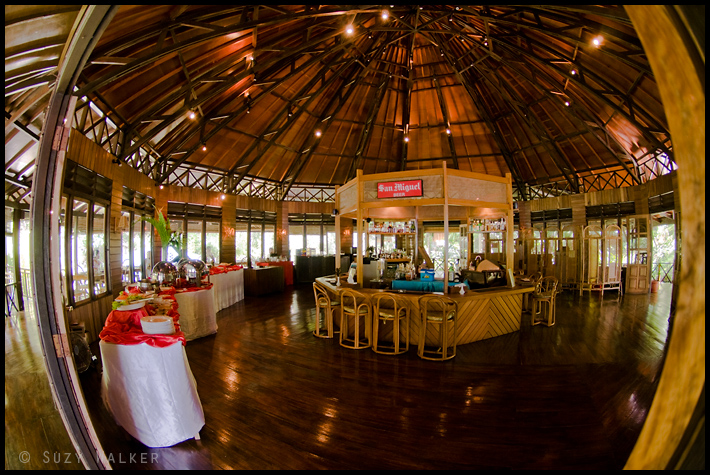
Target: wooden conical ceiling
{"x":286,"y":96}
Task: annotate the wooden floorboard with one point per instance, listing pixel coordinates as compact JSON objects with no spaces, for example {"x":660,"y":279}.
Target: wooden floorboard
{"x":571,"y":396}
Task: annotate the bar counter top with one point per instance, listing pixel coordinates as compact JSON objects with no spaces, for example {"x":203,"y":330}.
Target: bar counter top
{"x":482,"y":313}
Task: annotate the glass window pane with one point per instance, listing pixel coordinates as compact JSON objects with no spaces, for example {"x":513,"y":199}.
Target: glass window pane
{"x":79,"y":250}
{"x":313,"y":239}
{"x":194,"y":239}
{"x":148,"y":247}
{"x":125,"y":247}
{"x":62,"y":249}
{"x":295,"y":240}
{"x":269,"y":243}
{"x":240,"y":242}
{"x":98,"y":246}
{"x":137,"y":253}
{"x":256,"y":251}
{"x":176,"y":225}
{"x":212,"y":234}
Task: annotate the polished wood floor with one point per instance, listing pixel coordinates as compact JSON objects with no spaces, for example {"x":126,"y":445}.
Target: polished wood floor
{"x":35,"y":437}
{"x":275,"y":397}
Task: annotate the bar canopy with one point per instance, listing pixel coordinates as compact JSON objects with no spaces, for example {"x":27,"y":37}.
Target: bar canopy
{"x":426,"y":195}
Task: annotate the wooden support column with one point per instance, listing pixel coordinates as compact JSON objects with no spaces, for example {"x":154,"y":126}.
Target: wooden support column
{"x":281,"y":239}
{"x":446,"y":228}
{"x":227,"y":251}
{"x":360,"y":250}
{"x":509,"y":244}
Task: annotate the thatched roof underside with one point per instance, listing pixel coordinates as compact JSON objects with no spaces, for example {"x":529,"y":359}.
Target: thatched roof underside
{"x":285,"y":98}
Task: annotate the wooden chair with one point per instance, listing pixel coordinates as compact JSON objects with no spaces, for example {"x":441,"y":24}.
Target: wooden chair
{"x":390,"y":308}
{"x":442,"y":312}
{"x":545,"y":292}
{"x":326,"y":305}
{"x":355,"y":305}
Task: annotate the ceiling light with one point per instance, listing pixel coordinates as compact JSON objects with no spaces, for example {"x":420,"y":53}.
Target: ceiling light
{"x":192,"y":115}
{"x":567,"y":103}
{"x":161,"y":186}
{"x":318,"y":133}
{"x":204,"y":147}
{"x":385,"y":14}
{"x":406,"y":139}
{"x":573,"y":72}
{"x":598,"y":40}
{"x":222,"y":196}
{"x":349,"y":29}
{"x":448,"y":131}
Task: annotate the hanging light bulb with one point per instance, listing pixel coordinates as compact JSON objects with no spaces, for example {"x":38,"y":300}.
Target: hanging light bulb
{"x":406,"y":139}
{"x":385,"y":14}
{"x":318,"y":133}
{"x":349,"y":29}
{"x":598,"y":40}
{"x":204,"y":147}
{"x":567,"y":103}
{"x":192,"y":115}
{"x":448,"y":131}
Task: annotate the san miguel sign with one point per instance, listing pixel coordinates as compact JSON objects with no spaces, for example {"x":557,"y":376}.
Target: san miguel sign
{"x":399,"y":189}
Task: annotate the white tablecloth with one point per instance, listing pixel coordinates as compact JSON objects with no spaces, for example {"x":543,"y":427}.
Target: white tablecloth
{"x":151,"y":392}
{"x":198,"y":317}
{"x":228,"y":288}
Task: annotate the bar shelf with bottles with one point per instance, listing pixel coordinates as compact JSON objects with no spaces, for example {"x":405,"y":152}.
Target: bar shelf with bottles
{"x":486,"y":225}
{"x":392,"y":227}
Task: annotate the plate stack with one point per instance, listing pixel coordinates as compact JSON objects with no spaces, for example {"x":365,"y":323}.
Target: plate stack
{"x":158,"y":325}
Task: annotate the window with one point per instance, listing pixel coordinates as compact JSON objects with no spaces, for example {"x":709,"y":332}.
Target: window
{"x":136,"y":236}
{"x":255,"y":234}
{"x":212,"y":241}
{"x":434,"y":243}
{"x":98,"y":248}
{"x":310,"y":231}
{"x":240,"y":242}
{"x":83,"y":229}
{"x":203,"y":225}
{"x":194,"y":239}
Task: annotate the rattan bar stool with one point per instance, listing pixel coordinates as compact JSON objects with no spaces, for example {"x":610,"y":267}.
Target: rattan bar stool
{"x":439,"y":311}
{"x":545,"y":292}
{"x":355,"y":305}
{"x":325,"y":305}
{"x":387,"y":308}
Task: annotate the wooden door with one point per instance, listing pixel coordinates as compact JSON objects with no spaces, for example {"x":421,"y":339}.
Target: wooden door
{"x":638,"y":272}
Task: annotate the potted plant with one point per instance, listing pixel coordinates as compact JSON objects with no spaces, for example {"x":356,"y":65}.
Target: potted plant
{"x":168,"y":238}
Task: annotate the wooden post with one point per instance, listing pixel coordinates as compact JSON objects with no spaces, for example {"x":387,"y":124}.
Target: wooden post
{"x":360,"y":193}
{"x":446,"y":228}
{"x":337,"y":231}
{"x":509,"y":244}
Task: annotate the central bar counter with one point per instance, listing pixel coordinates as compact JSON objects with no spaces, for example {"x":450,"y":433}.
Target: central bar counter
{"x":482,"y":314}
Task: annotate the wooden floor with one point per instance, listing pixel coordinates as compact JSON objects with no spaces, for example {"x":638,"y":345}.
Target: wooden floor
{"x":35,"y":437}
{"x":275,"y":397}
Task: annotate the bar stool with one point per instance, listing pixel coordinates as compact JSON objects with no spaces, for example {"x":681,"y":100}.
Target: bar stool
{"x":395,"y":310}
{"x":355,"y":305}
{"x":545,"y":292}
{"x":441,"y":311}
{"x":327,"y":306}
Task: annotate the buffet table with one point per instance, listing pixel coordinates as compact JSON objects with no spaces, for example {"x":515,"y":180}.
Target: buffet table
{"x":482,"y":314}
{"x":228,"y":287}
{"x":196,"y":306}
{"x":151,"y":392}
{"x":146,"y":383}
